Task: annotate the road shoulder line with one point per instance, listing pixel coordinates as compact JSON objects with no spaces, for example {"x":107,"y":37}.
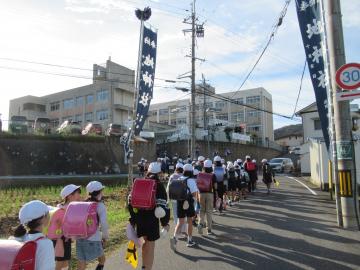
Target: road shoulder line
{"x":293,"y":178}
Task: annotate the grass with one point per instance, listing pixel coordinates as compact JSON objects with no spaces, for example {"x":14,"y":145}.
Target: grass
{"x":13,"y":198}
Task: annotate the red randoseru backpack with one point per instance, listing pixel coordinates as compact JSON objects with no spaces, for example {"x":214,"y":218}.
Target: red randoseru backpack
{"x":17,"y":255}
{"x":204,"y":182}
{"x":143,"y":194}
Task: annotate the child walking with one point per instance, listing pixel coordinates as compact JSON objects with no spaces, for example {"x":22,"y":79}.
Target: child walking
{"x":70,"y":193}
{"x":147,"y":221}
{"x":93,"y":247}
{"x":34,"y":216}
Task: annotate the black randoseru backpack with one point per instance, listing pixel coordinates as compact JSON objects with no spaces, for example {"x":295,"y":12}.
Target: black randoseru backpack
{"x":178,"y":190}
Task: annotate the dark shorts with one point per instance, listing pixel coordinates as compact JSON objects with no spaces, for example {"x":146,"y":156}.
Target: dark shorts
{"x":148,"y":227}
{"x":242,"y":184}
{"x":67,"y":250}
{"x":232,"y":185}
{"x":190,"y":212}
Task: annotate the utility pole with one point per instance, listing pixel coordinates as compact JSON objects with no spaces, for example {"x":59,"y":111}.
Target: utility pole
{"x":342,"y":117}
{"x":197,"y":30}
{"x":193,"y":112}
{"x":204,"y":102}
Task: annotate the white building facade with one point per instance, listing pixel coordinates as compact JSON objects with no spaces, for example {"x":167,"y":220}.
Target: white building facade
{"x":250,"y":112}
{"x":109,"y":99}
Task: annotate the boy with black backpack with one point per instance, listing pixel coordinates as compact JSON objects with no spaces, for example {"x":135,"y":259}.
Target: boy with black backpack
{"x":185,"y":191}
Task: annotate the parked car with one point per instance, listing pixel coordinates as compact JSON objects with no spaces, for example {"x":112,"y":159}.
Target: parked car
{"x":42,"y":125}
{"x":295,"y":150}
{"x":69,"y":127}
{"x":282,"y":165}
{"x":18,"y":125}
{"x":114,"y":130}
{"x":92,"y":128}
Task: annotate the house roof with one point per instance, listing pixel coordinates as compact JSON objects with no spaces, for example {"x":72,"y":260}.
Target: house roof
{"x":292,"y":130}
{"x":311,"y":107}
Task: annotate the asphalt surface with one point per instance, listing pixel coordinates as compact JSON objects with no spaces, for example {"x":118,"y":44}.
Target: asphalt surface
{"x":292,"y":228}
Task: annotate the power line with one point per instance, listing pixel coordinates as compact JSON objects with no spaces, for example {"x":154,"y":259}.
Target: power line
{"x":300,"y":87}
{"x":64,"y":75}
{"x":69,"y":67}
{"x":230,"y":100}
{"x":271,"y":37}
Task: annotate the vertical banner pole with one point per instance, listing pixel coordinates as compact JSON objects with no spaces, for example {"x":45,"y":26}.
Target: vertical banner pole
{"x":136,"y":92}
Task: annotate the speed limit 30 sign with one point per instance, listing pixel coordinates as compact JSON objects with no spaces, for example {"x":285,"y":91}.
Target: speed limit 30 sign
{"x":348,"y":76}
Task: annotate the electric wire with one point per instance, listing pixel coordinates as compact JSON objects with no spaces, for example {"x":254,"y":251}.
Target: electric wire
{"x":69,"y":67}
{"x":300,"y":87}
{"x":271,"y":37}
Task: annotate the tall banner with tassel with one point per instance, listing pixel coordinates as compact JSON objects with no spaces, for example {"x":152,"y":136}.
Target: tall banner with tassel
{"x":312,"y":32}
{"x":147,"y":76}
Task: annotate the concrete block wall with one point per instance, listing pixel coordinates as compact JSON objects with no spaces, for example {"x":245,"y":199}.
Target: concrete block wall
{"x":38,"y":156}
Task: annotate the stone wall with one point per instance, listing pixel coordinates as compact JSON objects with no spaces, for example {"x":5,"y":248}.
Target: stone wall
{"x":32,"y":155}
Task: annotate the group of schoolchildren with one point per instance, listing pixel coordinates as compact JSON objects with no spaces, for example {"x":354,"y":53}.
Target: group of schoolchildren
{"x":195,"y":190}
{"x":54,"y":252}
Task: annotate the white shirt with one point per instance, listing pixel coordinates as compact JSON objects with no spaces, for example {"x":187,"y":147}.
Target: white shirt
{"x":45,"y":254}
{"x":102,"y":231}
{"x":191,"y":183}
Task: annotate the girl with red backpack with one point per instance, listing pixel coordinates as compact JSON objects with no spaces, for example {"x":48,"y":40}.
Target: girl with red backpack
{"x":34,"y":216}
{"x":93,"y":247}
{"x":146,"y":221}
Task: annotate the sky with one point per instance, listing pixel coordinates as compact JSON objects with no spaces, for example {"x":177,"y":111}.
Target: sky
{"x":79,"y":33}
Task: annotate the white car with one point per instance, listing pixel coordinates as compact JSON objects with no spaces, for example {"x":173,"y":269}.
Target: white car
{"x":282,"y":165}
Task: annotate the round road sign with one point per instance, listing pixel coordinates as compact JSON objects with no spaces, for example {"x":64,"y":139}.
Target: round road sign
{"x":348,"y":76}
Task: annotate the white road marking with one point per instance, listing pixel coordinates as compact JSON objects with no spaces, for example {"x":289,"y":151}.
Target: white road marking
{"x":313,"y":192}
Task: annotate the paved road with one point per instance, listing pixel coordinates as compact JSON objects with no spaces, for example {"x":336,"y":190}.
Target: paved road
{"x":290,"y":229}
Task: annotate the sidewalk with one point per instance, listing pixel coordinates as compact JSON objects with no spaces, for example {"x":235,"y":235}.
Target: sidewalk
{"x":289,"y":229}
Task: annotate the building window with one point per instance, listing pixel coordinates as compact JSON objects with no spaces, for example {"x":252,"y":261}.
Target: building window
{"x":239,"y":101}
{"x":173,"y":122}
{"x":102,"y":95}
{"x":78,"y":118}
{"x":253,"y":114}
{"x":182,"y":109}
{"x":181,"y":121}
{"x":219,"y":104}
{"x":89,"y":117}
{"x":102,"y":115}
{"x":165,"y":122}
{"x":79,"y":101}
{"x":89,"y":99}
{"x":34,"y":107}
{"x":254,"y":128}
{"x":163,"y":111}
{"x":68,"y":103}
{"x":253,"y":100}
{"x":55,"y":106}
{"x":237,"y":116}
{"x":222,"y":117}
{"x":317,"y":124}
